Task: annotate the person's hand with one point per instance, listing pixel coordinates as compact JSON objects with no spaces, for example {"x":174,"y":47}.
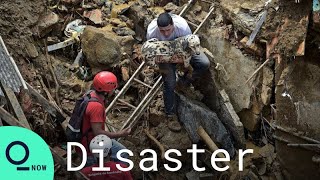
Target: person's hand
{"x":126,"y":131}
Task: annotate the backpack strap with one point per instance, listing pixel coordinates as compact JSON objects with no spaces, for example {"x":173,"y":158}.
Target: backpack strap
{"x":89,"y":99}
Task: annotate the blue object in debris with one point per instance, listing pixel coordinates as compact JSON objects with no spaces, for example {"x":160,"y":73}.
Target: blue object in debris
{"x":316,"y":5}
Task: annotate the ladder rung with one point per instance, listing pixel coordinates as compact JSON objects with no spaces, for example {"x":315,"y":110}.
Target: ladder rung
{"x":126,"y":103}
{"x":193,"y":24}
{"x":125,"y":87}
{"x":137,"y":80}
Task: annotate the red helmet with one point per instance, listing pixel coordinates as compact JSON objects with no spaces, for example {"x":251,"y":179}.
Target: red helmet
{"x":105,"y":81}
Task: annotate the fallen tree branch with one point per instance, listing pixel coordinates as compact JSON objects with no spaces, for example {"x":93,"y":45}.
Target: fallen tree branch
{"x":49,"y":61}
{"x":47,"y":92}
{"x":161,"y":147}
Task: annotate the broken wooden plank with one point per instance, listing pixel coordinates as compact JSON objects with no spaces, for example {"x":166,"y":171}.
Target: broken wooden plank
{"x":50,"y":108}
{"x":206,"y":138}
{"x":212,"y":146}
{"x":8,"y":118}
{"x":1,"y":124}
{"x":14,"y":104}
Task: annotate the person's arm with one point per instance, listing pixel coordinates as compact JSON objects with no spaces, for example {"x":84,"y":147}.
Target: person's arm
{"x":97,"y":129}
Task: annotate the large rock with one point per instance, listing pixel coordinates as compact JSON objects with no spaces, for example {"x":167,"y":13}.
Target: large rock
{"x":101,"y":48}
{"x":233,"y":69}
{"x":193,"y":114}
{"x":243,"y":13}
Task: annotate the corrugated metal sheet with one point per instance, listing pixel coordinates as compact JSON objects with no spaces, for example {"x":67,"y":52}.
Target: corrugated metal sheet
{"x":9,"y":72}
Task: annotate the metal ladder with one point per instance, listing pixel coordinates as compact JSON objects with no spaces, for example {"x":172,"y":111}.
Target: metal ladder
{"x":136,"y":114}
{"x":153,"y":89}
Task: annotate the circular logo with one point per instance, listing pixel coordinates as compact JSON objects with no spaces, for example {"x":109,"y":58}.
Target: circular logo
{"x":24,"y":154}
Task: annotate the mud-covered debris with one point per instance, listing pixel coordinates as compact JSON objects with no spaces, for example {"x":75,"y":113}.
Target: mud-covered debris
{"x":100,"y":2}
{"x":156,"y":117}
{"x":123,"y":31}
{"x":74,"y":28}
{"x":170,"y":7}
{"x":193,"y":175}
{"x":71,"y":2}
{"x":95,"y":16}
{"x":141,"y":18}
{"x":243,"y":14}
{"x":31,"y":50}
{"x":46,"y":23}
{"x":174,"y":126}
{"x":266,"y":90}
{"x":254,"y":48}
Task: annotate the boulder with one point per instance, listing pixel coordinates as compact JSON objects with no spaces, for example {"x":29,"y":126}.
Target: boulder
{"x":101,"y":48}
{"x":193,"y":114}
{"x":233,"y":68}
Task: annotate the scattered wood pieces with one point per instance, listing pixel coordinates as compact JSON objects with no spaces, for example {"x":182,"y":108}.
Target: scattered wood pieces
{"x":253,"y":48}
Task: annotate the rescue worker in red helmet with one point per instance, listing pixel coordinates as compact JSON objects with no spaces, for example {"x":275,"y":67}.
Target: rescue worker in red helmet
{"x":104,"y":85}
